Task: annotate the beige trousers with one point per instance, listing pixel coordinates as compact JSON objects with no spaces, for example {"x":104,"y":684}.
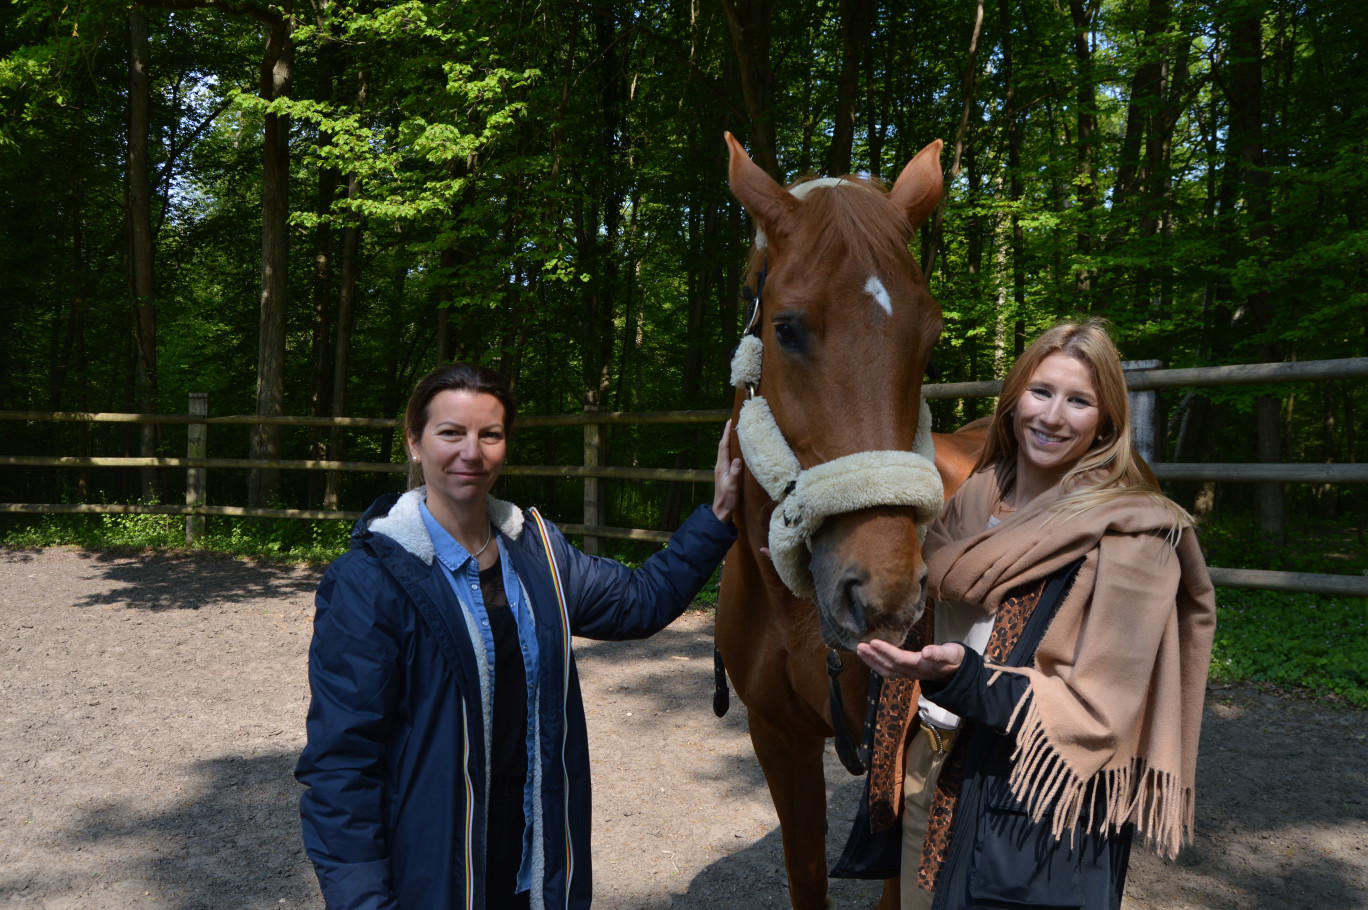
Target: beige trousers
{"x":919,"y":787}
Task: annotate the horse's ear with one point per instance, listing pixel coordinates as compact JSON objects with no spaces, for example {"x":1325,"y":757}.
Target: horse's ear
{"x":917,"y":191}
{"x":768,"y":202}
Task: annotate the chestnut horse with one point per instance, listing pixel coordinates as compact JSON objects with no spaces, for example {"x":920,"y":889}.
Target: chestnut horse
{"x":826,"y":415}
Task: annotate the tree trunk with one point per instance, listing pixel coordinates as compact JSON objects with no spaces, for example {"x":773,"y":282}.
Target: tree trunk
{"x":1014,"y":182}
{"x":877,"y":92}
{"x":1355,"y":497}
{"x":140,"y":245}
{"x":263,"y":486}
{"x":346,"y":314}
{"x":856,"y":16}
{"x":966,"y":109}
{"x":1083,"y":12}
{"x":320,"y":403}
{"x":74,"y":346}
{"x":1325,"y":493}
{"x":1143,"y":180}
{"x":599,"y":225}
{"x":749,"y":22}
{"x":703,"y":223}
{"x":1246,"y":128}
{"x":446,"y":263}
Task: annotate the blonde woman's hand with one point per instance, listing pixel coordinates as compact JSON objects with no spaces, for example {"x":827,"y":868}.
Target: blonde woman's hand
{"x":726,"y":478}
{"x":936,"y":663}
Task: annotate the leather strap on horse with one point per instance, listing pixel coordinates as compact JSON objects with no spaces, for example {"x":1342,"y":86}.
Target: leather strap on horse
{"x":752,"y":299}
{"x":855,"y":758}
{"x":721,"y":694}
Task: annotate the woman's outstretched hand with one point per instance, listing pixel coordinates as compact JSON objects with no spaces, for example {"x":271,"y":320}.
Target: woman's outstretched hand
{"x":726,"y":478}
{"x":934,"y":662}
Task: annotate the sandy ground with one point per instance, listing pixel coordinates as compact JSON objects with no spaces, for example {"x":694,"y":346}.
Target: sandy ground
{"x":151,"y":709}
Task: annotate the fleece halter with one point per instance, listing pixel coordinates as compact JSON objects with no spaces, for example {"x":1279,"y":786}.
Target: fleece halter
{"x":806,"y":498}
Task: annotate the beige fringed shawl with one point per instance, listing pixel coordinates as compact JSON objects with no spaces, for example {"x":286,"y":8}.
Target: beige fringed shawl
{"x":1114,"y":707}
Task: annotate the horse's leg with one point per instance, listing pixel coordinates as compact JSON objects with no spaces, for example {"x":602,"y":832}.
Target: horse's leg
{"x":792,"y":764}
{"x":891,"y":898}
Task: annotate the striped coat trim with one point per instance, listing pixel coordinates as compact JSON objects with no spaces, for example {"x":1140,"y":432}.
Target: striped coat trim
{"x":565,"y":688}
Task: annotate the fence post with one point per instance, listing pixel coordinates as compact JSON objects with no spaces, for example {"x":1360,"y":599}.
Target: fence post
{"x":196,"y":446}
{"x":1144,"y":407}
{"x":593,"y":486}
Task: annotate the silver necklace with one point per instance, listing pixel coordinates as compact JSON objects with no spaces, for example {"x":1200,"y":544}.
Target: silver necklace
{"x":489,"y":534}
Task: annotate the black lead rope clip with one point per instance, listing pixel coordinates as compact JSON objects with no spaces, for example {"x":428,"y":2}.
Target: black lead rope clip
{"x":721,"y":694}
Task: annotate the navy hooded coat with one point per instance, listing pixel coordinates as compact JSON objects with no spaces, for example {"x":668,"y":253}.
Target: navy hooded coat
{"x":395,"y":761}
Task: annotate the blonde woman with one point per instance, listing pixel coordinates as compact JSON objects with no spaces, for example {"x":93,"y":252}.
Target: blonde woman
{"x":1061,"y":674}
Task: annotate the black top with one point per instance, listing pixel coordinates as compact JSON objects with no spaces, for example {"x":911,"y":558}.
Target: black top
{"x":508,"y":751}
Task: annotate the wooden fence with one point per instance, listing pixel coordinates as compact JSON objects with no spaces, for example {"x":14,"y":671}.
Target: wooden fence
{"x":1142,"y":378}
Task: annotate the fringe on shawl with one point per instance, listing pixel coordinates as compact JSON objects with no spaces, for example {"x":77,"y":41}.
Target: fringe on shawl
{"x":1161,"y":809}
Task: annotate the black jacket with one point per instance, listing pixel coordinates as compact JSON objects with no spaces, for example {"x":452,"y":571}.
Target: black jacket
{"x":998,"y":857}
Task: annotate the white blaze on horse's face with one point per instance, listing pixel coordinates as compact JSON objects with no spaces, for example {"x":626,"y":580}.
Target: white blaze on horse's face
{"x":832,"y":250}
{"x":875,"y":288}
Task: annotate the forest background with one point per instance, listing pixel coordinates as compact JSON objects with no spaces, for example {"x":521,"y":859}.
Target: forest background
{"x":300,"y":208}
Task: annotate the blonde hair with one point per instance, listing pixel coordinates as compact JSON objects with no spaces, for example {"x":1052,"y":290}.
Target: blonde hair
{"x":1111,"y":468}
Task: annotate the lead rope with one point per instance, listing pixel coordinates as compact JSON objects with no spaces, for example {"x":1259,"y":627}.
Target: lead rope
{"x":855,"y":758}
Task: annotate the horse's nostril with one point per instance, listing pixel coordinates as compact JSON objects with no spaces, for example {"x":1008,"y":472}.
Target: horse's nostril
{"x":851,"y":586}
{"x":853,"y":595}
{"x":921,"y":592}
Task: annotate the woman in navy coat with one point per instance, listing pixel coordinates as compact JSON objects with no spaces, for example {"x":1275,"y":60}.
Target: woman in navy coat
{"x":447,"y":761}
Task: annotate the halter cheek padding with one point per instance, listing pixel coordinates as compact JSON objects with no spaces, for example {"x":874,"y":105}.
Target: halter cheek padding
{"x":745,"y":365}
{"x":764,"y":449}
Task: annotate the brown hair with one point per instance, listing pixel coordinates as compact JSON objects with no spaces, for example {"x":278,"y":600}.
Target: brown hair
{"x":1111,"y":467}
{"x":454,"y":377}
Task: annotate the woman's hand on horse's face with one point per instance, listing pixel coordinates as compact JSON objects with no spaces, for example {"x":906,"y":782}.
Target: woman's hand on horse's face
{"x":726,"y":478}
{"x":934,"y":662}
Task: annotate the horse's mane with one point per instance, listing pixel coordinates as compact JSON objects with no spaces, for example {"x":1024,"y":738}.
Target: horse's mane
{"x":852,"y":217}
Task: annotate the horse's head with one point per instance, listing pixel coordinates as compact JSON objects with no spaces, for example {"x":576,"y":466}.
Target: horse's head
{"x":846,"y":325}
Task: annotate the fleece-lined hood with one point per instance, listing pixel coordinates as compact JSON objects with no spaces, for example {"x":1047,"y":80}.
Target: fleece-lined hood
{"x":404,"y":523}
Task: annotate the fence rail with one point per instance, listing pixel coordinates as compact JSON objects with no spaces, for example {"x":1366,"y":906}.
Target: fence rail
{"x":1226,"y":473}
{"x":1153,"y":379}
{"x":364,"y":423}
{"x":1144,"y":379}
{"x":138,"y":508}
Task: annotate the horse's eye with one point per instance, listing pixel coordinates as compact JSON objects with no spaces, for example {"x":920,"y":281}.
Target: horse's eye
{"x":791,"y":331}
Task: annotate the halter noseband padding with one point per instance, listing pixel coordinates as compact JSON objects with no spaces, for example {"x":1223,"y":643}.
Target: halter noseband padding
{"x":847,"y":484}
{"x":805,"y":499}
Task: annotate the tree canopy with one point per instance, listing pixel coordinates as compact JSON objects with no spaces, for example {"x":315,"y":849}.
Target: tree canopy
{"x":299,"y":209}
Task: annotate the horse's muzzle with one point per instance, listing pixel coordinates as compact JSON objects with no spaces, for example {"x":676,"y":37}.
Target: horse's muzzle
{"x":857,"y":601}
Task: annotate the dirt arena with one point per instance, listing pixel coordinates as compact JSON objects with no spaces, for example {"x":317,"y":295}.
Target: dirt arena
{"x":151,"y":709}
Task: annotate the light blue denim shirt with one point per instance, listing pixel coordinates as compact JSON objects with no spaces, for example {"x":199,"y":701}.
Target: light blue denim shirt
{"x":463,"y":574}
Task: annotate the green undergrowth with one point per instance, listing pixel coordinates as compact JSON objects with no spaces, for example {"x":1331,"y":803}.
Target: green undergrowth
{"x":289,"y":541}
{"x":1308,"y":643}
{"x":1311,"y":644}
